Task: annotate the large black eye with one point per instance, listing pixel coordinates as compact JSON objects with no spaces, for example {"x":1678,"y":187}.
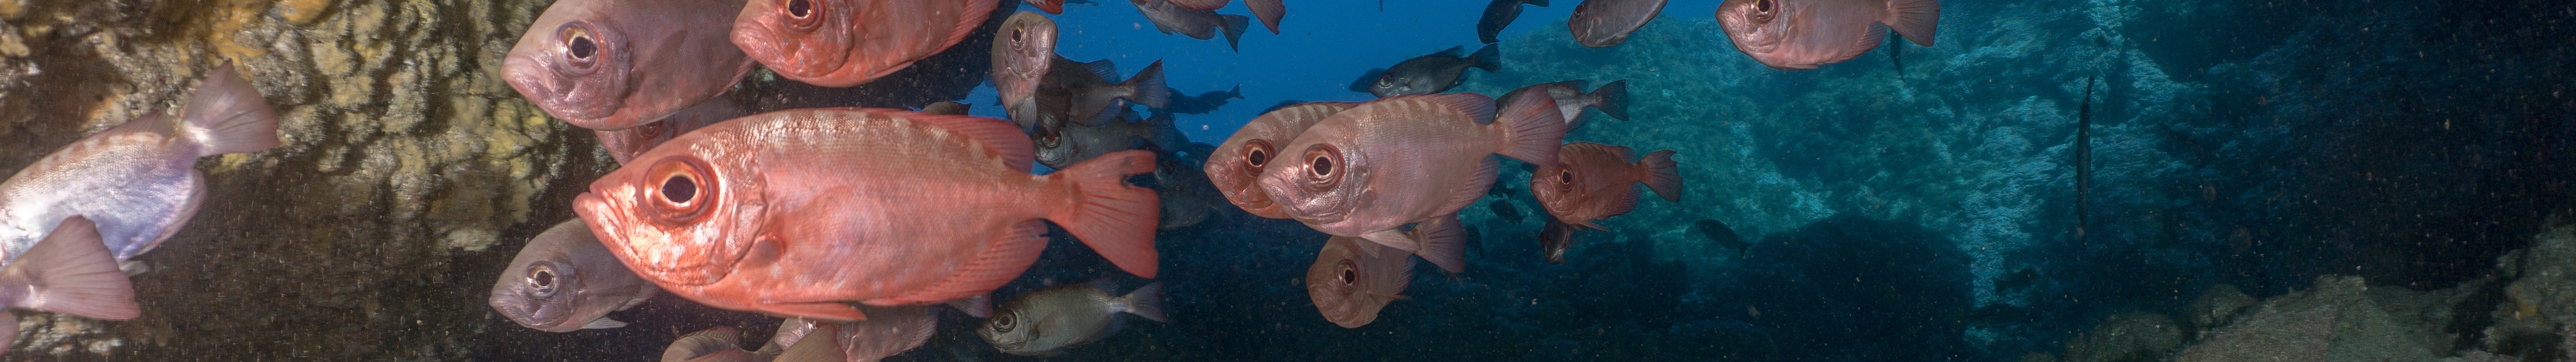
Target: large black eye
{"x":542,"y":278}
{"x":1350,"y":272}
{"x":1762,"y":6}
{"x":1565,"y":177}
{"x":582,"y":47}
{"x":800,"y":9}
{"x":679,"y":189}
{"x":1256,"y":154}
{"x":1324,"y":166}
{"x":1002,"y":323}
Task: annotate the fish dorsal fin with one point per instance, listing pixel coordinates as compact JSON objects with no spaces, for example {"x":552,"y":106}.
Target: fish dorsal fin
{"x":999,"y":136}
{"x":1476,"y":106}
{"x":1108,"y":71}
{"x":1454,"y":51}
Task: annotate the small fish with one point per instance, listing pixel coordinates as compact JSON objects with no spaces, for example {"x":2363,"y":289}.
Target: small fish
{"x":719,"y":344}
{"x":1269,"y":11}
{"x":1373,"y":168}
{"x":1431,"y":73}
{"x":947,"y":107}
{"x":1610,"y":98}
{"x":1188,"y":198}
{"x":842,"y":43}
{"x":1049,"y":320}
{"x":1171,"y":18}
{"x":1504,"y":210}
{"x":1553,"y":239}
{"x":1023,"y":52}
{"x":1088,"y":94}
{"x":622,"y":145}
{"x":609,"y":65}
{"x":1718,"y":233}
{"x":2083,"y":159}
{"x":1060,"y":148}
{"x":933,"y":208}
{"x":887,"y":332}
{"x":1591,"y":181}
{"x":69,"y":272}
{"x":1803,"y":34}
{"x":1352,"y":278}
{"x":1896,"y":56}
{"x":138,"y":180}
{"x":1499,"y":14}
{"x":1201,"y":104}
{"x":564,"y":281}
{"x":1235,"y":165}
{"x":1603,"y":23}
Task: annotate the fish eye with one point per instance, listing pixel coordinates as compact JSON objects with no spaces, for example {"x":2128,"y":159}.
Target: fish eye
{"x":1256,"y":154}
{"x":1002,"y":322}
{"x":581,"y":47}
{"x":1324,"y":166}
{"x":1049,"y":139}
{"x":542,"y":277}
{"x":683,"y":183}
{"x":800,"y":9}
{"x":801,"y":14}
{"x":1350,"y":273}
{"x":1565,"y":177}
{"x":1762,"y":7}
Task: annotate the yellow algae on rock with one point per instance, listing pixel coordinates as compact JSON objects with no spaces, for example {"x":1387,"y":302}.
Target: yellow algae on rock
{"x":302,"y":12}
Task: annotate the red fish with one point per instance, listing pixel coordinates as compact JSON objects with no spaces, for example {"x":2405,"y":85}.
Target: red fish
{"x":1352,"y":278}
{"x":842,"y":43}
{"x":800,"y":213}
{"x":1803,"y":34}
{"x":613,"y":64}
{"x":1369,"y":170}
{"x":1590,"y":181}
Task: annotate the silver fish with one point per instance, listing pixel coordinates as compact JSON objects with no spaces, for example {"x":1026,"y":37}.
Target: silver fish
{"x":1369,"y":170}
{"x":1610,"y":98}
{"x":139,"y":180}
{"x":69,"y":272}
{"x":1049,"y":320}
{"x":1089,"y":94}
{"x":1803,"y":34}
{"x":1429,"y":73}
{"x":1060,"y":148}
{"x":564,"y":280}
{"x":1197,"y":24}
{"x":1023,"y":51}
{"x":1603,"y":23}
{"x":609,"y":65}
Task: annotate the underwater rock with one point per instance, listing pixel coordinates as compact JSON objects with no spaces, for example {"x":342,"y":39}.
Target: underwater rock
{"x":2128,"y":337}
{"x":2335,"y":321}
{"x":2218,"y":306}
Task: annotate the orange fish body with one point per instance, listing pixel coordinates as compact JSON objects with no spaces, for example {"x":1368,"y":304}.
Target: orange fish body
{"x":843,"y":43}
{"x":1234,"y":165}
{"x":794,"y":213}
{"x":1590,"y":182}
{"x":1371,"y":169}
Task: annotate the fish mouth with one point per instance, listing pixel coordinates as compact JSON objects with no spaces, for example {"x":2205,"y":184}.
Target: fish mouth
{"x":560,"y":96}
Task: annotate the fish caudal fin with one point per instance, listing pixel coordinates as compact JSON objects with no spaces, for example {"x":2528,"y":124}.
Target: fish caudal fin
{"x":1444,"y":242}
{"x":1147,"y":301}
{"x":1614,"y":99}
{"x":1532,"y":130}
{"x":978,"y":306}
{"x":1915,"y":19}
{"x":1050,"y":6}
{"x":1489,"y":58}
{"x":227,"y":115}
{"x":1269,"y":11}
{"x":72,"y":272}
{"x":1115,"y":219}
{"x":1233,"y":28}
{"x":1663,"y":175}
{"x":1148,"y":87}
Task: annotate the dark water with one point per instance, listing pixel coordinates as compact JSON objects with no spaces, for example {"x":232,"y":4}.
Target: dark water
{"x":1931,"y":216}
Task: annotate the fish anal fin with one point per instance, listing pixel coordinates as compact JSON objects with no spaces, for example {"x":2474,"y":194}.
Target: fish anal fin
{"x":1393,"y":238}
{"x":603,"y":323}
{"x":1444,"y":242}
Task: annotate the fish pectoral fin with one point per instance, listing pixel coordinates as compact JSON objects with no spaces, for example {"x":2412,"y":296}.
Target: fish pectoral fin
{"x":603,"y":323}
{"x":1392,"y":238}
{"x":836,"y":312}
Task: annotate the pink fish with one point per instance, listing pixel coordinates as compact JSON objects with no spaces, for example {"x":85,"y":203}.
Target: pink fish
{"x":803,"y":212}
{"x":139,"y":180}
{"x":1352,"y":278}
{"x":1371,"y":169}
{"x":623,"y":145}
{"x":842,"y":43}
{"x":1023,"y":53}
{"x":1592,"y":181}
{"x":1803,"y":34}
{"x":70,"y":272}
{"x":609,"y":65}
{"x":1603,"y":23}
{"x":1234,"y":165}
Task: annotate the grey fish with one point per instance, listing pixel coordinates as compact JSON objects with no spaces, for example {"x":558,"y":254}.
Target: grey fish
{"x":609,"y":65}
{"x":1553,"y":239}
{"x":719,"y":344}
{"x":69,"y":272}
{"x":1718,"y":233}
{"x":1603,"y":23}
{"x":1504,"y":210}
{"x":138,"y":180}
{"x":1087,"y":94}
{"x":1049,"y":320}
{"x":622,"y":145}
{"x":1803,"y":34}
{"x":1202,"y":103}
{"x":887,"y":331}
{"x":1198,"y":24}
{"x":1353,"y":278}
{"x":1429,"y":73}
{"x":947,"y":107}
{"x":1060,"y":148}
{"x":1499,"y":14}
{"x":1611,"y":99}
{"x":564,"y":280}
{"x":1023,"y":52}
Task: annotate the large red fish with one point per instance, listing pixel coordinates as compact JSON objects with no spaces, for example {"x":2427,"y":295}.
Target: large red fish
{"x":799,"y":213}
{"x":1369,"y":170}
{"x":842,"y":43}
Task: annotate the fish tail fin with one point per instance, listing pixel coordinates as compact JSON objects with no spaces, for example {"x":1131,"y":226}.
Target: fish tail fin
{"x":1663,"y":175}
{"x":1532,"y":130}
{"x":1233,"y":27}
{"x":1149,"y":88}
{"x":1236,"y":93}
{"x":1147,"y":301}
{"x":1444,"y":242}
{"x":1115,"y":219}
{"x":1489,"y":58}
{"x":1915,"y":19}
{"x":1269,"y":11}
{"x":1614,"y":99}
{"x":72,"y":272}
{"x":227,"y":115}
{"x":1050,"y":6}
